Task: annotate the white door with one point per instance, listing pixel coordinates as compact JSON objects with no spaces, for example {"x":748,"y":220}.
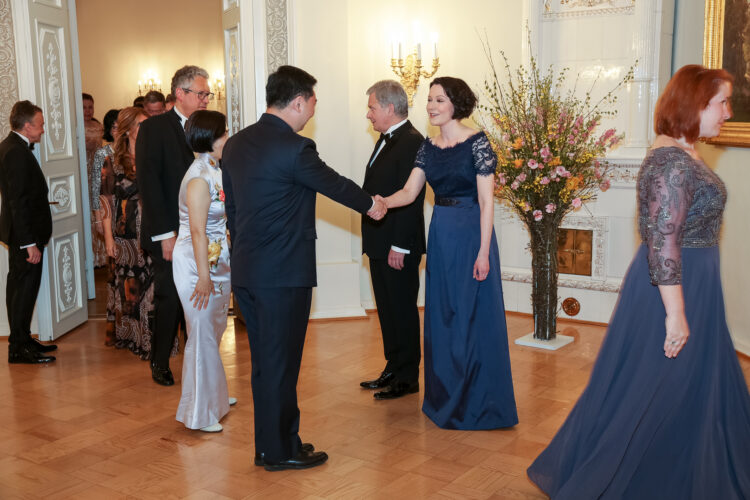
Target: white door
{"x":46,"y":77}
{"x":240,"y":21}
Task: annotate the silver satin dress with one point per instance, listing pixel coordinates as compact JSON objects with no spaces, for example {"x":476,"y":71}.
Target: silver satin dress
{"x":205,"y":398}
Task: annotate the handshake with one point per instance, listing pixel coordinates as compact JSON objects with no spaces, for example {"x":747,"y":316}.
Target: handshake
{"x":379,"y":207}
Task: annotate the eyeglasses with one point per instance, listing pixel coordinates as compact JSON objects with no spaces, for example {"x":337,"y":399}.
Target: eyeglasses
{"x":201,"y":95}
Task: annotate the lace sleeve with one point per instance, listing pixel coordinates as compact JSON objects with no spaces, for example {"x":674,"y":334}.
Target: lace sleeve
{"x":95,"y":181}
{"x":485,"y":159}
{"x":668,"y":192}
{"x":421,"y":159}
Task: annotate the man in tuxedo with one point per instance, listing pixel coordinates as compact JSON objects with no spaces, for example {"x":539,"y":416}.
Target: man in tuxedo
{"x":26,"y":227}
{"x":271,"y":177}
{"x":162,"y":157}
{"x":395,"y":244}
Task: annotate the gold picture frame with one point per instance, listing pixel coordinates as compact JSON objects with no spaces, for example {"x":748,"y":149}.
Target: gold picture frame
{"x":733,"y":133}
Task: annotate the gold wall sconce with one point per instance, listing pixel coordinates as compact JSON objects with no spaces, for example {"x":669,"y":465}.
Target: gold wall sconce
{"x":217,"y":86}
{"x":410,"y":69}
{"x":150,"y":82}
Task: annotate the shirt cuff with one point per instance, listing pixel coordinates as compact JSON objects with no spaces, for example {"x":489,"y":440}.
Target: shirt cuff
{"x":164,"y":236}
{"x":28,"y":246}
{"x":400,"y":250}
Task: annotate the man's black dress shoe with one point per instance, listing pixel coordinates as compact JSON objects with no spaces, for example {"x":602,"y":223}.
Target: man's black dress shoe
{"x":42,"y":347}
{"x":162,"y":376}
{"x":27,"y":354}
{"x":383,"y":380}
{"x":303,"y":460}
{"x":307,"y":447}
{"x":398,"y":389}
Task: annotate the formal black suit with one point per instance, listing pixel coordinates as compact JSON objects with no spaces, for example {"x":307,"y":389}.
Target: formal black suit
{"x":162,"y":157}
{"x":271,"y":176}
{"x":396,"y":291}
{"x":25,"y":219}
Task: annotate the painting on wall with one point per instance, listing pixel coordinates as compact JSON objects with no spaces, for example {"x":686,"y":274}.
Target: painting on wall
{"x":727,"y":45}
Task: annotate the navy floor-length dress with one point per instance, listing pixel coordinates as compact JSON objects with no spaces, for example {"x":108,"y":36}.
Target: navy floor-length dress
{"x":467,"y":372}
{"x":646,"y":426}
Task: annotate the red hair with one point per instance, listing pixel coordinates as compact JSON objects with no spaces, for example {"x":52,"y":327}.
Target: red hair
{"x":685,"y":96}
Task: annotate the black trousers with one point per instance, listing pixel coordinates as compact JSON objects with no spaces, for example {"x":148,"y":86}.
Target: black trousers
{"x":21,"y":290}
{"x":167,"y":308}
{"x":396,"y":294}
{"x":276,"y":321}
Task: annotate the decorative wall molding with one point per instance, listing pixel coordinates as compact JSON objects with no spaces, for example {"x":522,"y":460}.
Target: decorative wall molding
{"x":234,"y":79}
{"x":8,"y":73}
{"x":228,"y":4}
{"x":62,"y":190}
{"x":561,"y":9}
{"x":50,"y":3}
{"x":67,"y":275}
{"x":55,"y":91}
{"x":277,"y":34}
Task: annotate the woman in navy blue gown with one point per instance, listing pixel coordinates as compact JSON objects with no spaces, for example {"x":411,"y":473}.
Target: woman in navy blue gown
{"x":666,"y":414}
{"x":468,"y":382}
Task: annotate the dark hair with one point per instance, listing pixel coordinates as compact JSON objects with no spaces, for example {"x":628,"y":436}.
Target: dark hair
{"x":203,"y":128}
{"x":109,"y":120}
{"x":138,"y":101}
{"x":86,"y":97}
{"x":688,"y":93}
{"x":171,"y":98}
{"x":286,"y":83}
{"x":153,"y":96}
{"x":460,"y":95}
{"x":22,"y":113}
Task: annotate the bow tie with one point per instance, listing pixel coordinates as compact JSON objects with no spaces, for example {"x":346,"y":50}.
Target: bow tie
{"x":385,"y":137}
{"x":31,"y":146}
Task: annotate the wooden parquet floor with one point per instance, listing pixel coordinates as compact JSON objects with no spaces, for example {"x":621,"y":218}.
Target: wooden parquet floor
{"x":93,"y":425}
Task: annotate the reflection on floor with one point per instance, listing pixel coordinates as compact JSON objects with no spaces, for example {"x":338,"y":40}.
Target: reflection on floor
{"x":94,"y":425}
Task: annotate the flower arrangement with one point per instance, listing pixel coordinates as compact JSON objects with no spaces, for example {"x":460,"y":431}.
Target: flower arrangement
{"x":549,"y":161}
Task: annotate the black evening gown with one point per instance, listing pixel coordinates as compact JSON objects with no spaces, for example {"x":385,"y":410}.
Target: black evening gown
{"x":646,"y":426}
{"x":467,"y":375}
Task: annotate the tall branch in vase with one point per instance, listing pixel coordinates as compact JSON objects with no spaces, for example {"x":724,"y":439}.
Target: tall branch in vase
{"x":550,"y":161}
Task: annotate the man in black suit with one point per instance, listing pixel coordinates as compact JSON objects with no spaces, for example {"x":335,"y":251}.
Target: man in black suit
{"x":271,"y":177}
{"x":26,"y":227}
{"x":395,"y":244}
{"x":162,"y":157}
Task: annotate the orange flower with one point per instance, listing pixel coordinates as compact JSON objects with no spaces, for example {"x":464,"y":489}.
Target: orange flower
{"x":573,"y":182}
{"x":554,"y":162}
{"x":518,"y":162}
{"x":517,"y":143}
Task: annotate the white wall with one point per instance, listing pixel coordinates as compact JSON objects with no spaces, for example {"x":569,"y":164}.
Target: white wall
{"x":119,"y":41}
{"x":732,"y":166}
{"x":346,"y":45}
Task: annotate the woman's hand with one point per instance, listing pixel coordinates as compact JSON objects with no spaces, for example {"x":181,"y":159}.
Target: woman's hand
{"x":678,"y":332}
{"x":203,"y":291}
{"x":481,"y":267}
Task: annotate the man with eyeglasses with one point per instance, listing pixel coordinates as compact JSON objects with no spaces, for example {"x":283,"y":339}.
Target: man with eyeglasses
{"x":162,"y":157}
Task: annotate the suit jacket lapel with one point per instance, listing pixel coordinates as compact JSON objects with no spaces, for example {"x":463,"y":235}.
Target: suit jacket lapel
{"x":386,"y":148}
{"x":177,"y":124}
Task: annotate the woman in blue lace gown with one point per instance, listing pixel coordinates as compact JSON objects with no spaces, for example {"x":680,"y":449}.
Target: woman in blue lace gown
{"x":666,"y":414}
{"x":200,"y":264}
{"x":467,"y":375}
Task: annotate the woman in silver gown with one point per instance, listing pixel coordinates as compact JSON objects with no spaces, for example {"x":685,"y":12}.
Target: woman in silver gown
{"x":200,"y":264}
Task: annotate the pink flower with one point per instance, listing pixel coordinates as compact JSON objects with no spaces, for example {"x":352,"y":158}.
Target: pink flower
{"x":550,"y":208}
{"x":545,"y":153}
{"x":544,"y":181}
{"x":597,"y":173}
{"x":533,"y":164}
{"x":514,"y":185}
{"x":537,"y":215}
{"x":604,"y":185}
{"x":526,"y":206}
{"x":576,"y":203}
{"x":521,"y":177}
{"x":501,"y":180}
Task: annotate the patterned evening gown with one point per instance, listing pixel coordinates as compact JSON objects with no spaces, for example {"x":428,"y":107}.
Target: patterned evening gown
{"x":131,"y":291}
{"x":646,"y":426}
{"x":94,"y":131}
{"x":205,"y":398}
{"x":467,"y":374}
